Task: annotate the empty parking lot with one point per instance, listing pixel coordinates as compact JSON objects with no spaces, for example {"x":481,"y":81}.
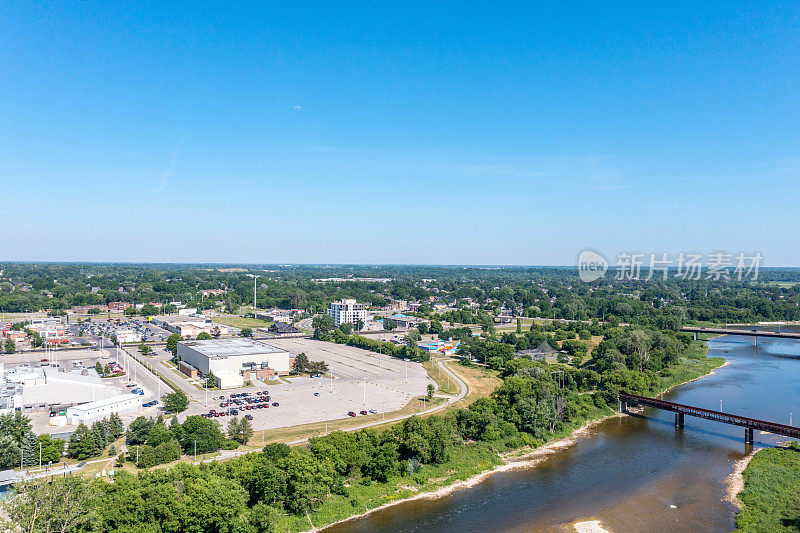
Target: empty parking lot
{"x":362,"y":380}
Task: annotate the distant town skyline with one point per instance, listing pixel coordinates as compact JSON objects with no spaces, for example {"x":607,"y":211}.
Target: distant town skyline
{"x":508,"y":134}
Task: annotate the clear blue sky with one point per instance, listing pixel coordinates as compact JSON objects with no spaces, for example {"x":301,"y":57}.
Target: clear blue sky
{"x":398,"y":133}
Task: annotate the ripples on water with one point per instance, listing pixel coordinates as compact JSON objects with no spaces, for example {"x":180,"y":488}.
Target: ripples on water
{"x":630,"y":470}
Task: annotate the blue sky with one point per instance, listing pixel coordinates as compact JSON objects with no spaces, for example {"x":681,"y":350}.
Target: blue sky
{"x":383,"y":133}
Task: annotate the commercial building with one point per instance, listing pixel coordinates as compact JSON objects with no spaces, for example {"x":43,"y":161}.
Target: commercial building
{"x":190,"y":326}
{"x":347,"y":311}
{"x":118,"y":306}
{"x":90,"y":412}
{"x":127,"y":336}
{"x":233,"y":361}
{"x":36,"y":389}
{"x":405,"y":321}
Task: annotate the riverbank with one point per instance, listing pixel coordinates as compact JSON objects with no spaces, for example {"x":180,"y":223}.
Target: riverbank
{"x":459,"y":477}
{"x":521,"y":458}
{"x":770,"y":495}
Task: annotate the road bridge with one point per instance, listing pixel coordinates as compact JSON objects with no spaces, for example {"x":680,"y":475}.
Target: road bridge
{"x":755,"y":333}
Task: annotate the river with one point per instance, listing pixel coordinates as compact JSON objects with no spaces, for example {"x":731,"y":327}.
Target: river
{"x":634,"y":473}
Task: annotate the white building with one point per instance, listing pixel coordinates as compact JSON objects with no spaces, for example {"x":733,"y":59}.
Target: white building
{"x":229,"y":359}
{"x":347,"y":311}
{"x":127,"y":335}
{"x":89,"y":412}
{"x":46,"y":388}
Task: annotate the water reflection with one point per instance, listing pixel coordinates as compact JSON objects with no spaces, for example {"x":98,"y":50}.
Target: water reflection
{"x":630,"y":470}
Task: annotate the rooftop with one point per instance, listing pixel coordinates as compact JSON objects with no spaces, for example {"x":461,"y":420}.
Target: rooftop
{"x":220,"y":348}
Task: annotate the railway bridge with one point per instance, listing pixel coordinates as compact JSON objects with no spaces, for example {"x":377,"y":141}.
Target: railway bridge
{"x":680,"y":410}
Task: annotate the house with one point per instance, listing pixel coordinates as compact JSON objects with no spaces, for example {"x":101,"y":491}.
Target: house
{"x":282,"y":328}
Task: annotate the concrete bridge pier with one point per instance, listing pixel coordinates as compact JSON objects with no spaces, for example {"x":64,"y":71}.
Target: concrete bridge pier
{"x":695,"y":335}
{"x":755,"y":340}
{"x":748,"y":436}
{"x":623,"y":406}
{"x":678,"y":420}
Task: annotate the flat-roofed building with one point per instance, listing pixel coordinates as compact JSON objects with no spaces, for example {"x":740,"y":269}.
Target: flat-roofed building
{"x":347,"y":311}
{"x":231,"y":358}
{"x":90,"y":412}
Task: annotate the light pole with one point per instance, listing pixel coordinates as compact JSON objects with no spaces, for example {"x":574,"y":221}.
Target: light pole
{"x":720,"y":405}
{"x":195,"y":448}
{"x":326,"y":421}
{"x":406,"y":370}
{"x":331,"y":375}
{"x":364,"y":401}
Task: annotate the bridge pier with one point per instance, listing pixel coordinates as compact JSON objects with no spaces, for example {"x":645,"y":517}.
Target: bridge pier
{"x":755,"y":340}
{"x":623,"y":406}
{"x":678,"y":420}
{"x":695,"y":335}
{"x":748,"y":436}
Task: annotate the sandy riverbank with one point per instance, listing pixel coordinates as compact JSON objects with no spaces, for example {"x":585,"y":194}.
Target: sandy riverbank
{"x":517,"y":459}
{"x":590,"y":526}
{"x":735,"y":480}
{"x":527,"y":459}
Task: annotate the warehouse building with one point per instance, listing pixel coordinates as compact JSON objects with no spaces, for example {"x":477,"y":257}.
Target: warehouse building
{"x":233,"y":361}
{"x":42,"y":389}
{"x":90,"y":412}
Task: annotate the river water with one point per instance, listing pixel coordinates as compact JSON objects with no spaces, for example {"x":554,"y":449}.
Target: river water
{"x":629,"y":471}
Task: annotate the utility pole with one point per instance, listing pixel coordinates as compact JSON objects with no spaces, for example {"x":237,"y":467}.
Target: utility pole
{"x":364,"y":401}
{"x":406,"y":370}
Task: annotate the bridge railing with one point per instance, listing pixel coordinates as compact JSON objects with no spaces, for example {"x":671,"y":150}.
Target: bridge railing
{"x":699,"y":412}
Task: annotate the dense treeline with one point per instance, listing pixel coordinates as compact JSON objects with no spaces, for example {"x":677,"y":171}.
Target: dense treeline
{"x":261,"y":491}
{"x":538,"y":292}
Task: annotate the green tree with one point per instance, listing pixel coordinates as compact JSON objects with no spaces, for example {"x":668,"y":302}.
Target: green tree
{"x":246,"y":332}
{"x":204,"y":431}
{"x":389,"y":324}
{"x":98,"y":367}
{"x":175,"y":402}
{"x":203,"y":336}
{"x":51,"y":448}
{"x":323,"y":326}
{"x":431,"y":388}
{"x":172,"y":343}
{"x":301,"y":363}
{"x":139,"y":430}
{"x":82,"y":444}
{"x":9,"y":452}
{"x":211,"y":380}
{"x":148,"y":310}
{"x":10,"y":346}
{"x":15,"y":425}
{"x":359,"y":324}
{"x":63,"y":504}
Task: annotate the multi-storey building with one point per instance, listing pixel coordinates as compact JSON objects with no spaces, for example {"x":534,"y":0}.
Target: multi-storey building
{"x":347,"y":311}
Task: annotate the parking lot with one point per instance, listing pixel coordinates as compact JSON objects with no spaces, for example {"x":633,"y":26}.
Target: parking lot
{"x":361,"y":380}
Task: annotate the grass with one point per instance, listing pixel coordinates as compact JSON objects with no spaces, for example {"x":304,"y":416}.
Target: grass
{"x":242,"y":322}
{"x":316,"y":429}
{"x":771,"y":495}
{"x":481,"y":382}
{"x":444,"y":386}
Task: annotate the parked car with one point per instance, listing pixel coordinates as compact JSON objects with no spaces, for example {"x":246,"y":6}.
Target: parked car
{"x":248,"y":417}
{"x":362,"y":412}
{"x":316,"y":394}
{"x":351,"y":413}
{"x":275,"y":404}
{"x":373,"y":411}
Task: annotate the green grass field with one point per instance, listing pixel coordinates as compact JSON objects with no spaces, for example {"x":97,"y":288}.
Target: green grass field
{"x":242,"y":322}
{"x":771,"y":495}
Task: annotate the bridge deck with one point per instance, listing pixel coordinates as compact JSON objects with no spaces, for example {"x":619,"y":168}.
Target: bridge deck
{"x":719,"y":416}
{"x":747,"y":332}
